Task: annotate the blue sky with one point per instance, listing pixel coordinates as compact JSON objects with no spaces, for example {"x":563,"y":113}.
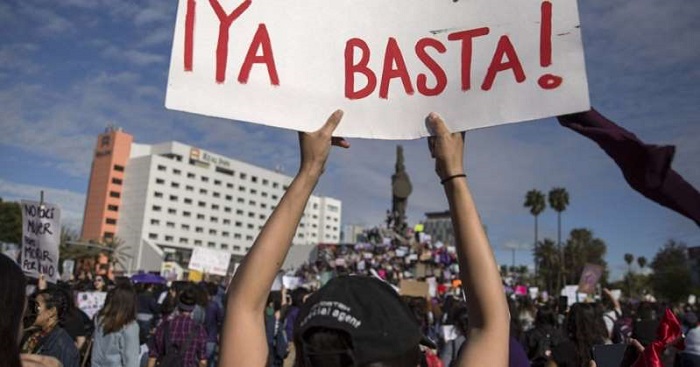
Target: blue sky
{"x":68,"y":68}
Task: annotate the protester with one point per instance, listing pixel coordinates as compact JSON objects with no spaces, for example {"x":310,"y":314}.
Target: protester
{"x":377,"y":327}
{"x":690,"y":357}
{"x":180,"y":339}
{"x":47,"y":337}
{"x":585,"y":328}
{"x":545,"y":335}
{"x":116,"y":338}
{"x":148,"y":309}
{"x":213,"y":322}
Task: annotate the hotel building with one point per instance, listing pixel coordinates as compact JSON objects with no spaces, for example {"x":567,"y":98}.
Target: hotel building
{"x":163,"y":200}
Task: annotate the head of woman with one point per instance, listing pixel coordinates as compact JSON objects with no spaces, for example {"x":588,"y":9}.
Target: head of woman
{"x":585,"y":327}
{"x":119,"y":309}
{"x":12,"y":303}
{"x":51,"y":307}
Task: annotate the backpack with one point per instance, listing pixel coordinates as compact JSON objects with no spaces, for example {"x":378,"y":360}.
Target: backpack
{"x":174,"y":356}
{"x":622,"y":329}
{"x":540,"y":345}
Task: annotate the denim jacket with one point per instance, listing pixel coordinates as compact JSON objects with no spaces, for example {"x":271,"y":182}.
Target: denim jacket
{"x":117,"y":349}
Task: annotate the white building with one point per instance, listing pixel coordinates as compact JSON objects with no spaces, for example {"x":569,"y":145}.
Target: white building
{"x":175,"y":197}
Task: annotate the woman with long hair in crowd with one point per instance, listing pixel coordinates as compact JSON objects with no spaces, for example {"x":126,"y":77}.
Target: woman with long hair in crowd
{"x":584,"y":328}
{"x":116,"y":338}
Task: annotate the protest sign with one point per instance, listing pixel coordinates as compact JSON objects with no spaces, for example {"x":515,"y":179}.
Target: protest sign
{"x":589,"y":278}
{"x":209,"y":261}
{"x":68,"y":269}
{"x":41,"y":235}
{"x":90,"y":302}
{"x":386,"y":64}
{"x":171,"y":271}
{"x":413,"y":288}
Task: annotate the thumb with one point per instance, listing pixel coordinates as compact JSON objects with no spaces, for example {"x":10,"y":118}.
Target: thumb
{"x":436,"y":125}
{"x":332,"y":122}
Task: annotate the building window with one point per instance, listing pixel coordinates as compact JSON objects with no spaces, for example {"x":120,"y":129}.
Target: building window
{"x":211,"y":244}
{"x":248,"y":238}
{"x":224,"y":246}
{"x":172,"y":211}
{"x":108,"y":235}
{"x":274,"y":197}
{"x":251,"y":215}
{"x":227,"y":209}
{"x":254,"y":179}
{"x":201,"y":204}
{"x":189,"y":188}
{"x":199,"y":229}
{"x":186,"y":214}
{"x":217,"y":182}
{"x":261,"y":216}
{"x":252,"y":202}
{"x":238,"y":224}
{"x":263,"y":205}
{"x":215,"y":194}
{"x":215,"y":206}
{"x":158,"y":194}
{"x":188,"y":201}
{"x":203,"y":191}
{"x":113,"y":208}
{"x":285,"y":187}
{"x":225,"y":234}
{"x":174,"y":184}
{"x":160,"y":181}
{"x":229,"y":197}
{"x":155,"y":222}
{"x":198,"y":242}
{"x":110,"y":221}
{"x":265,"y":182}
{"x":114,"y":194}
{"x":212,"y":231}
{"x":250,"y":226}
{"x":177,"y":171}
{"x":117,"y":181}
{"x":169,"y":238}
{"x":161,"y":168}
{"x":170,"y":224}
{"x":183,"y":240}
{"x":185,"y":227}
{"x":237,"y":236}
{"x":173,"y":197}
{"x":253,"y":191}
{"x":240,"y":200}
{"x":205,"y":179}
{"x":200,"y":216}
{"x":214,"y":219}
{"x":229,"y":185}
{"x":227,"y":221}
{"x":275,"y":185}
{"x":118,"y":168}
{"x":156,"y":208}
{"x":239,"y":212}
{"x":263,"y":194}
{"x":241,"y":188}
{"x":152,"y":236}
{"x":242,"y":176}
{"x":190,"y":175}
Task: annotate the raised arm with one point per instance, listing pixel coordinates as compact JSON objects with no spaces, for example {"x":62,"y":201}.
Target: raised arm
{"x":243,"y":336}
{"x":481,"y":281}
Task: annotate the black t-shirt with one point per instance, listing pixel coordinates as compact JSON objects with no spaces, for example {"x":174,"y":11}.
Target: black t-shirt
{"x":77,"y":323}
{"x":565,"y":354}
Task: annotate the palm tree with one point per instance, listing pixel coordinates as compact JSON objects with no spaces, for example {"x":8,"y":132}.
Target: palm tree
{"x":534,"y":200}
{"x":629,"y":258}
{"x":642,"y":262}
{"x":547,"y":260}
{"x":559,"y":200}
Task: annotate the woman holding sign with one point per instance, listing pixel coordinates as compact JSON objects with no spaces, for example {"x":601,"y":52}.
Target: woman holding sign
{"x":361,"y":321}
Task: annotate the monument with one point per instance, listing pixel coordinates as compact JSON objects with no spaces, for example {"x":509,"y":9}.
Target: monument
{"x":401,"y":188}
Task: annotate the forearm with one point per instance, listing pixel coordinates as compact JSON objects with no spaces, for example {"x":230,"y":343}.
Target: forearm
{"x":481,"y":280}
{"x":151,"y":362}
{"x":250,"y":286}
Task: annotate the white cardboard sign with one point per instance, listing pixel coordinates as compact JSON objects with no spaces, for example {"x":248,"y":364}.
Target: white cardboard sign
{"x":41,"y":235}
{"x":387,"y":64}
{"x":209,"y":261}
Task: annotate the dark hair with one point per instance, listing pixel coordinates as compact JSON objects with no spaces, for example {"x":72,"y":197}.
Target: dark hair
{"x":298,"y":296}
{"x":324,"y":339}
{"x":55,"y":298}
{"x":119,"y":309}
{"x":585,"y":327}
{"x":12,"y":301}
{"x":546,"y":316}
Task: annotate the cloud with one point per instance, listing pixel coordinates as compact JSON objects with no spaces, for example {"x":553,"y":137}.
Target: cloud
{"x":71,"y":203}
{"x":135,"y":57}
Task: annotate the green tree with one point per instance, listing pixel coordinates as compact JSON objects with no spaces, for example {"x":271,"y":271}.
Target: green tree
{"x":547,"y":260}
{"x":642,"y":262}
{"x":582,"y":248}
{"x":534,"y":200}
{"x":629,"y":258}
{"x":10,"y":222}
{"x":671,"y":279}
{"x":558,"y":200}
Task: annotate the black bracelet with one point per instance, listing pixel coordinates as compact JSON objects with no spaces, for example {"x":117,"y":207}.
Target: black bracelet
{"x":451,"y":177}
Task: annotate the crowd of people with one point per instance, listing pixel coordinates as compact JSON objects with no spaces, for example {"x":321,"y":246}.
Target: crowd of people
{"x":348,"y":308}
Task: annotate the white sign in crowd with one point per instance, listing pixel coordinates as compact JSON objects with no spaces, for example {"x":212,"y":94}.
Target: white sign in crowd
{"x":41,"y":235}
{"x":209,"y":261}
{"x":387,"y":64}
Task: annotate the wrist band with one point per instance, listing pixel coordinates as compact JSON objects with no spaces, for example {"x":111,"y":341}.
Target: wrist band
{"x":452,"y":177}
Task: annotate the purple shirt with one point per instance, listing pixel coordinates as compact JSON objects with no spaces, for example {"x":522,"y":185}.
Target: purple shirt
{"x":180,"y":328}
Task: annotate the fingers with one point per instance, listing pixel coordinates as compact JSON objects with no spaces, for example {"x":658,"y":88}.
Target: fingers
{"x":635,"y":343}
{"x":340,"y":142}
{"x":332,"y":122}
